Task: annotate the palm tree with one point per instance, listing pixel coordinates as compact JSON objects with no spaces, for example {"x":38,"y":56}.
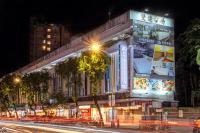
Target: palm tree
{"x":68,"y":70}
{"x":9,"y":90}
{"x":35,"y":87}
{"x":4,"y":102}
{"x":94,"y":65}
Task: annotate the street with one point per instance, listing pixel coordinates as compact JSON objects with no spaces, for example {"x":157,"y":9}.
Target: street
{"x":29,"y":127}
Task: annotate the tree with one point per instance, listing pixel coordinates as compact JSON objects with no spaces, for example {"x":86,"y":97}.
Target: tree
{"x":4,"y":101}
{"x":94,"y":64}
{"x":10,"y":91}
{"x":68,"y":70}
{"x":35,"y":87}
{"x":198,"y":57}
{"x":187,"y":68}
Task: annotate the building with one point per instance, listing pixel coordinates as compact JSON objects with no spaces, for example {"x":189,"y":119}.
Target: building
{"x":46,"y":37}
{"x":141,"y":76}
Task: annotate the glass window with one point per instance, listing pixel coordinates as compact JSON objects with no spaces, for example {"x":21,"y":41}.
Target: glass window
{"x":48,"y":42}
{"x":48,"y":30}
{"x":48,"y":36}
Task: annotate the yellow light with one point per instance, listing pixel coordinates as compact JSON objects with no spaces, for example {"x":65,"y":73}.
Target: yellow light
{"x":17,"y":80}
{"x":48,"y":30}
{"x":48,"y":36}
{"x":49,"y":42}
{"x":48,"y":49}
{"x":44,"y":47}
{"x":95,"y":47}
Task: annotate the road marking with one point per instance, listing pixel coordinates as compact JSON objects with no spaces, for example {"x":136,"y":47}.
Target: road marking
{"x":9,"y":129}
{"x":41,"y":128}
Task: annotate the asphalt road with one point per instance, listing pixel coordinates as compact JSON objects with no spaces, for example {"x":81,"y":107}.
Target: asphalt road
{"x":29,"y":127}
{"x":19,"y":129}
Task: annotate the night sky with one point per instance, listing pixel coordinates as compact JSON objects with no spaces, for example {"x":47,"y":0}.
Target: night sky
{"x":81,"y":15}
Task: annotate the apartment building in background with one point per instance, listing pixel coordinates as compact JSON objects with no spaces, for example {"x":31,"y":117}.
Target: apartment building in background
{"x":46,"y":37}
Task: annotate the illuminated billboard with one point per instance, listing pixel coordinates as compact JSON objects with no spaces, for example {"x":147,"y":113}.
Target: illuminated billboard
{"x":153,"y":56}
{"x":143,"y":56}
{"x":153,"y":88}
{"x":152,"y":33}
{"x":163,"y":61}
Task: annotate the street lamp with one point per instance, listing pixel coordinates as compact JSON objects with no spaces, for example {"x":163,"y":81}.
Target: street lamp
{"x":96,"y":47}
{"x":17,"y":80}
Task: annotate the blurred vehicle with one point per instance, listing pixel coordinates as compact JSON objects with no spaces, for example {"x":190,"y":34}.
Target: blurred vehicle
{"x":196,"y":128}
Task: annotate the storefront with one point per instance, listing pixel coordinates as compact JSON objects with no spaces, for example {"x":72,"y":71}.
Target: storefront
{"x":85,"y":111}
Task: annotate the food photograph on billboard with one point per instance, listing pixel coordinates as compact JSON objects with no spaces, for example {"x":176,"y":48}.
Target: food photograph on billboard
{"x":154,"y":88}
{"x":163,"y":61}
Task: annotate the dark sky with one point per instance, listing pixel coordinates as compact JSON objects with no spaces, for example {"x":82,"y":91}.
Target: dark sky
{"x":81,"y":15}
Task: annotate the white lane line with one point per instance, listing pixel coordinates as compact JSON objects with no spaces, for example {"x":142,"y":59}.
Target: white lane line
{"x":60,"y":126}
{"x":42,"y":128}
{"x":83,"y":128}
{"x":9,"y":129}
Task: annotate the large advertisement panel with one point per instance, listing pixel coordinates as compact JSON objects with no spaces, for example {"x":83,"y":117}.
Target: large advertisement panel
{"x":143,"y":57}
{"x":163,"y":61}
{"x":152,"y":33}
{"x":154,"y":88}
{"x":153,"y":56}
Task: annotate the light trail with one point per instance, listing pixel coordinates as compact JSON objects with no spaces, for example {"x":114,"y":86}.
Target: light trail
{"x":56,"y":128}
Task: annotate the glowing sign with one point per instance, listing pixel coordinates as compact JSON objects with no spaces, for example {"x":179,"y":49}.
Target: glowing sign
{"x":145,"y":17}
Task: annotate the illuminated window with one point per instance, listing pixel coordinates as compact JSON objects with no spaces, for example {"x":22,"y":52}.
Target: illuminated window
{"x":44,"y":41}
{"x":48,"y":36}
{"x":48,"y":42}
{"x":43,"y":47}
{"x":48,"y":30}
{"x":48,"y":49}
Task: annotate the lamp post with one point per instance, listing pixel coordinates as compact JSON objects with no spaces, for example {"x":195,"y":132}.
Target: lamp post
{"x":17,"y":80}
{"x":96,"y":47}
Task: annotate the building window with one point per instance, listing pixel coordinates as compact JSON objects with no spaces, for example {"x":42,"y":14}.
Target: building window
{"x":44,"y":41}
{"x":49,"y":42}
{"x":48,"y":49}
{"x":48,"y":36}
{"x":48,"y":30}
{"x":44,"y":47}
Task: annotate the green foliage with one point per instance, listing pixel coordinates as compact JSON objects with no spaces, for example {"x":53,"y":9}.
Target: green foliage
{"x":10,"y":89}
{"x":190,"y":42}
{"x":198,"y":57}
{"x":94,"y":65}
{"x":60,"y":98}
{"x":69,"y":70}
{"x":36,"y":84}
{"x":187,"y":70}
